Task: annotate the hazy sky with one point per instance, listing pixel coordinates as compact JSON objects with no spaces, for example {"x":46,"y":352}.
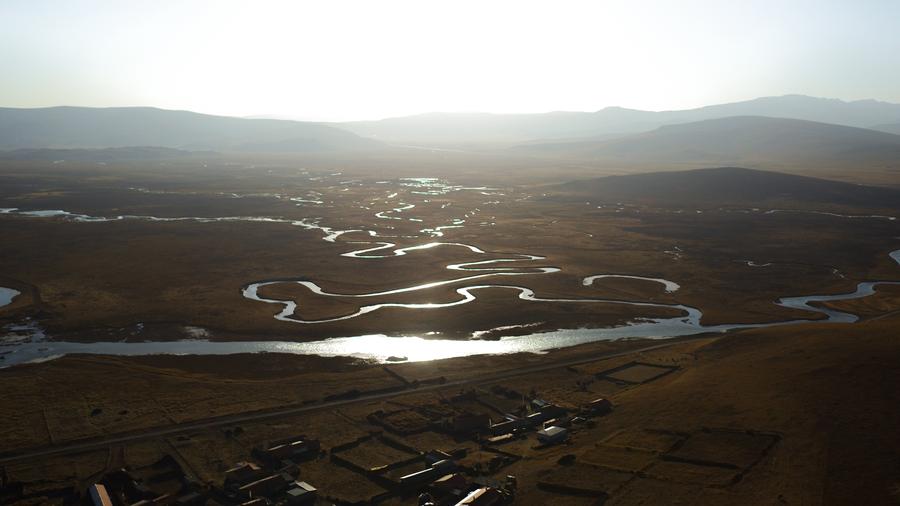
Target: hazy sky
{"x":337,"y":60}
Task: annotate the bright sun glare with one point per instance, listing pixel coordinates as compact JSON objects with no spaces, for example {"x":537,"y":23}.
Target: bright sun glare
{"x":346,"y":60}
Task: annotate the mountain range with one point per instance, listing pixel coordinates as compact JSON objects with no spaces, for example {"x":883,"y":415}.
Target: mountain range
{"x":725,"y":186}
{"x":453,"y":128}
{"x":740,"y":140}
{"x":129,"y":153}
{"x":92,"y":128}
{"x":773,"y":131}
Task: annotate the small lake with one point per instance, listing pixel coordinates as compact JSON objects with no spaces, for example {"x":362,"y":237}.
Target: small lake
{"x":7,"y":295}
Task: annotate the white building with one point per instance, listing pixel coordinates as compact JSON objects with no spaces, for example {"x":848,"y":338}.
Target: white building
{"x":552,"y":435}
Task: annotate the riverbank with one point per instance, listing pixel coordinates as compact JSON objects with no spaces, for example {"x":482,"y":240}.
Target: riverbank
{"x":381,"y":348}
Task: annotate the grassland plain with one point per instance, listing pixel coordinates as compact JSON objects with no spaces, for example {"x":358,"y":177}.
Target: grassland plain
{"x":815,"y":400}
{"x":89,"y":280}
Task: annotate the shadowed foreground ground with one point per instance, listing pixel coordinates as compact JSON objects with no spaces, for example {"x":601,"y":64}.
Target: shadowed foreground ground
{"x":820,"y":401}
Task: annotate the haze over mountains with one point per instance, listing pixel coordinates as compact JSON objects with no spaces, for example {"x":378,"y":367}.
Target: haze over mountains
{"x":725,"y":186}
{"x":97,"y":128}
{"x":893,"y":128}
{"x":442,"y":128}
{"x":735,"y":140}
{"x":128,"y":153}
{"x":771,"y":132}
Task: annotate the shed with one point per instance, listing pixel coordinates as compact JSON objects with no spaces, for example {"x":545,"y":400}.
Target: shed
{"x":436,"y":456}
{"x":539,"y":403}
{"x":267,"y":486}
{"x":259,"y":501}
{"x":243,"y":472}
{"x":600,"y":406}
{"x":301,"y":493}
{"x":553,"y":410}
{"x":438,"y":469}
{"x":484,"y":496}
{"x":502,"y":438}
{"x":423,"y":476}
{"x":552,"y":435}
{"x":509,"y":426}
{"x":444,"y":466}
{"x":538,"y":418}
{"x":450,"y":483}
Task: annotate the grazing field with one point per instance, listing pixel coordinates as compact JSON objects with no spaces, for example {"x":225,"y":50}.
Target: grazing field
{"x":285,"y":253}
{"x":139,"y":259}
{"x":449,"y":254}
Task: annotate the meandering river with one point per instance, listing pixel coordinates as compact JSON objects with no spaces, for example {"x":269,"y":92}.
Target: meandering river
{"x":16,"y":349}
{"x":381,"y":347}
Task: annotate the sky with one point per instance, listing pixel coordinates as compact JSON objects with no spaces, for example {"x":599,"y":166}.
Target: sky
{"x":340,"y":60}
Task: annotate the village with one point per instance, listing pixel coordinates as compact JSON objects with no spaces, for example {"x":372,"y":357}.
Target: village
{"x":456,"y":448}
{"x":273,"y":475}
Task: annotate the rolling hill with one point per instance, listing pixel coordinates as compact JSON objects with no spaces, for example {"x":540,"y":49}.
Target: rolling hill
{"x":740,"y":140}
{"x":448,"y":128}
{"x":131,"y":153}
{"x":726,"y":186}
{"x":889,"y":128}
{"x":91,"y":128}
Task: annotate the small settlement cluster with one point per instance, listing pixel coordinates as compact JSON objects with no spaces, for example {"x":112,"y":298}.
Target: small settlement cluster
{"x":448,"y":476}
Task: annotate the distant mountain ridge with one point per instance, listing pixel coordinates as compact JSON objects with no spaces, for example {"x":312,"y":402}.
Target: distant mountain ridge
{"x":719,"y":134}
{"x":450,"y":128}
{"x":740,"y":140}
{"x":91,"y":128}
{"x":131,"y":153}
{"x":725,"y":186}
{"x":889,"y":128}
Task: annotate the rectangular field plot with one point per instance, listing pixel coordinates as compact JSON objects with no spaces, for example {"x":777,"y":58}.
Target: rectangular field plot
{"x":738,"y":449}
{"x":618,"y":457}
{"x":683,"y":472}
{"x":645,"y":490}
{"x":487,"y":459}
{"x":404,"y":422}
{"x":652,"y":440}
{"x":637,"y":372}
{"x":584,"y":479}
{"x":498,"y":403}
{"x":373,"y":454}
{"x":605,"y":387}
{"x":342,"y":485}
